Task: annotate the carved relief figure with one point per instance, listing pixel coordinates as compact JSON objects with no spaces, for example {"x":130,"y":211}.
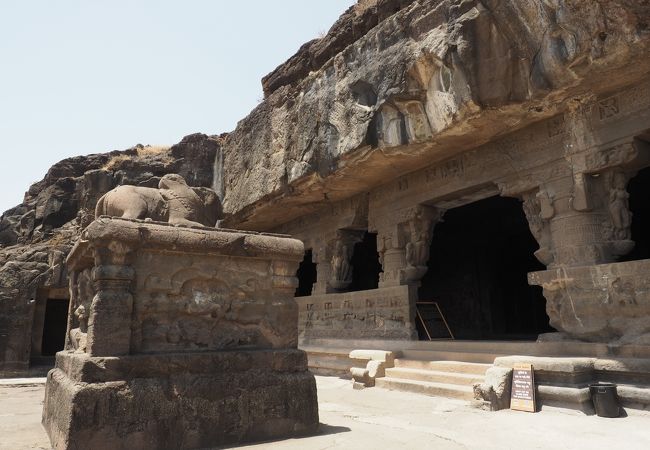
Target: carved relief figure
{"x":174,"y":202}
{"x":417,"y":249}
{"x":618,"y":207}
{"x":341,"y":267}
{"x":82,"y":295}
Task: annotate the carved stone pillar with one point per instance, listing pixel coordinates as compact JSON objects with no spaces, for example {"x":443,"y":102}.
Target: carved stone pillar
{"x":112,"y":305}
{"x":403,"y":241}
{"x":578,"y":209}
{"x":580,"y":224}
{"x":576,"y":227}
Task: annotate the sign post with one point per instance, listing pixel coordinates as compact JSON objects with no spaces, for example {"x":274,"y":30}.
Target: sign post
{"x":522,"y":396}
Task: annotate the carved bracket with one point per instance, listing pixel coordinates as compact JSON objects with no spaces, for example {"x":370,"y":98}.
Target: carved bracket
{"x":403,"y":244}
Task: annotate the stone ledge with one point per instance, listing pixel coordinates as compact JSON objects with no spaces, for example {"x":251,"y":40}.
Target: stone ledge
{"x":162,"y":236}
{"x":83,"y":368}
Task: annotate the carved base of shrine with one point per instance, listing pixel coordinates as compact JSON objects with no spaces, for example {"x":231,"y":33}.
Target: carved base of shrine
{"x":179,"y":338}
{"x":178,"y":401}
{"x":598,"y":303}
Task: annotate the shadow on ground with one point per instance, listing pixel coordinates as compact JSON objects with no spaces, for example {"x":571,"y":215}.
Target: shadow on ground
{"x":323,"y":430}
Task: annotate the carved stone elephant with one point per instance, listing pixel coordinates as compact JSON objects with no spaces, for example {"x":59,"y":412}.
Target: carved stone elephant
{"x":174,"y":202}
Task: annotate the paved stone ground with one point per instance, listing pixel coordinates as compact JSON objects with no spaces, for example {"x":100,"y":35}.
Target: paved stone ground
{"x":376,"y":418}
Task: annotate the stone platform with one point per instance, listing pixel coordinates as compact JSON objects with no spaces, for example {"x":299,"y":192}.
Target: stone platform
{"x":179,"y":338}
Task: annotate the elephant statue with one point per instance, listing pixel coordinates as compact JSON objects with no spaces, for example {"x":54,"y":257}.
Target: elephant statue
{"x":174,"y":202}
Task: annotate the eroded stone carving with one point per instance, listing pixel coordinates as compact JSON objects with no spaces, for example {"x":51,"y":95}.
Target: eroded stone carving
{"x":341,"y":275}
{"x":537,"y":217}
{"x":403,"y":243}
{"x":602,"y":303}
{"x":174,"y":202}
{"x":417,"y":248}
{"x":618,"y":206}
{"x":154,"y":309}
{"x":385,"y":313}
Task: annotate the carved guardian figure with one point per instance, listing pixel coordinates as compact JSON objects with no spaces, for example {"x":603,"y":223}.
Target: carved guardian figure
{"x":174,"y":202}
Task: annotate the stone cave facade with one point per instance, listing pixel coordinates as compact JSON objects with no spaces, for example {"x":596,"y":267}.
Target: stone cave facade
{"x":488,"y":155}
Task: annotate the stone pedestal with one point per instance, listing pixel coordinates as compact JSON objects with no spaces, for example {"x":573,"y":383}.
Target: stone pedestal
{"x":179,"y":338}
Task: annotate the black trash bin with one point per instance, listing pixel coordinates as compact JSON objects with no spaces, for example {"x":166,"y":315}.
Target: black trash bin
{"x":605,"y":399}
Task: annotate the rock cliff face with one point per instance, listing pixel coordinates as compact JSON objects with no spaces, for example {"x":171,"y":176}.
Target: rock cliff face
{"x":37,"y":235}
{"x":424,"y":79}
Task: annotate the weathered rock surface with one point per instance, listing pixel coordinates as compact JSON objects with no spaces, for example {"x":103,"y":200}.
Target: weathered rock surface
{"x":430,"y":80}
{"x":351,"y":26}
{"x":36,"y":236}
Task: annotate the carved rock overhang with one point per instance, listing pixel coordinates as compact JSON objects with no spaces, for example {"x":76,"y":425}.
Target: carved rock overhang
{"x":161,"y":236}
{"x":602,"y":57}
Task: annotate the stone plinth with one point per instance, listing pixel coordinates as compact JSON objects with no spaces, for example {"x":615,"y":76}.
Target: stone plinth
{"x":179,"y":338}
{"x":599,"y":303}
{"x":384,"y":313}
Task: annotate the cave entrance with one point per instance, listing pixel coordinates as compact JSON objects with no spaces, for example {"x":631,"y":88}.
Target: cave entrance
{"x":54,"y":326}
{"x":365,"y":264}
{"x":306,"y":275}
{"x":639,"y":190}
{"x":480,"y":257}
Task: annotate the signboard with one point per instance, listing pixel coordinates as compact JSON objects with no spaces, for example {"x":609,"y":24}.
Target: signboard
{"x":522,"y":396}
{"x":432,"y":320}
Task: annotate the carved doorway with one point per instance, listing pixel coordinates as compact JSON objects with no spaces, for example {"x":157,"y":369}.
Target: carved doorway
{"x":365,"y":264}
{"x":54,"y":326}
{"x":639,"y":190}
{"x":306,"y":275}
{"x":481,"y":254}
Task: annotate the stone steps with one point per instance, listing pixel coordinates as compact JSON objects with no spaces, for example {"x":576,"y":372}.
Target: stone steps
{"x":443,"y":366}
{"x":427,"y":388}
{"x":328,"y":361}
{"x":434,"y":376}
{"x":442,"y":378}
{"x":448,"y":355}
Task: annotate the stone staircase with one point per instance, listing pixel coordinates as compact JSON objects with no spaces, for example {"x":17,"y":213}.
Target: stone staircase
{"x":452,"y":379}
{"x":329,"y":361}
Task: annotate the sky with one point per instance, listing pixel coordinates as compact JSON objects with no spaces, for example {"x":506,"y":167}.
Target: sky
{"x":90,"y":76}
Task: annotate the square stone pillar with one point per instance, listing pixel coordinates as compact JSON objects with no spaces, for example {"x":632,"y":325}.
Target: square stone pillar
{"x":179,"y":338}
{"x":403,"y":241}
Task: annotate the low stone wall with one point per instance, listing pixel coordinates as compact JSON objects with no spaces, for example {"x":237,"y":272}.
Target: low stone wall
{"x":384,"y":313}
{"x":179,"y":338}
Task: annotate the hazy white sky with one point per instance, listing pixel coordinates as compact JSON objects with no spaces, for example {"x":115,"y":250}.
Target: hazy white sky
{"x":89,"y":76}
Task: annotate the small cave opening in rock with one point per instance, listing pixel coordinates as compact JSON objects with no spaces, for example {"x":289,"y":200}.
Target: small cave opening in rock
{"x":365,"y":264}
{"x":306,"y":275}
{"x":481,"y":254}
{"x":639,"y":189}
{"x":54,"y":326}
